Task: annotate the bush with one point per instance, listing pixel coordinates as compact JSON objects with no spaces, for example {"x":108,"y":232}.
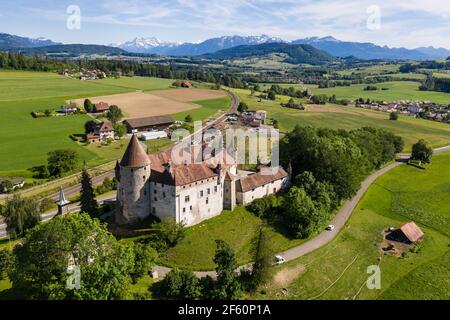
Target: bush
{"x":180,"y":285}
{"x":144,"y":260}
{"x":167,"y":234}
{"x":393,"y":116}
{"x":6,"y":263}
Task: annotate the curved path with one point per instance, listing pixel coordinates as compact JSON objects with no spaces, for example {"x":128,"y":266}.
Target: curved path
{"x":339,"y":220}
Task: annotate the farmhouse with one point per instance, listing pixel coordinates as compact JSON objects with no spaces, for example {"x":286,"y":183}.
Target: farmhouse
{"x":102,"y":132}
{"x":70,"y":109}
{"x":149,"y":123}
{"x":101,"y":107}
{"x":187,"y":193}
{"x":8,"y":183}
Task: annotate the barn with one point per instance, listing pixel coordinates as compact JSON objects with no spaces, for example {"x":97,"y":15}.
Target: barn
{"x":157,"y":123}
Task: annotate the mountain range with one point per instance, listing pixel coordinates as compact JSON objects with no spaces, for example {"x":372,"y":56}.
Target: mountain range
{"x":295,"y":53}
{"x":332,"y":46}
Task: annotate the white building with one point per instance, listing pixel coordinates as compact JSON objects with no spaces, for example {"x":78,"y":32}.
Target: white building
{"x":188,"y":193}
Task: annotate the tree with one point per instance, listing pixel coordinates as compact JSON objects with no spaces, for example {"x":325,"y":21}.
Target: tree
{"x":61,"y":161}
{"x":421,"y":151}
{"x":167,"y":233}
{"x":6,"y":262}
{"x":393,"y":115}
{"x":243,"y":107}
{"x":263,"y":255}
{"x":300,"y":213}
{"x":89,"y":126}
{"x":144,"y":259}
{"x":88,"y":106}
{"x":120,"y":130}
{"x":87,"y":197}
{"x":271,"y":95}
{"x":114,"y":114}
{"x":227,"y":286}
{"x":188,"y":118}
{"x":53,"y":253}
{"x":319,"y":99}
{"x":21,"y":214}
{"x":181,"y":285}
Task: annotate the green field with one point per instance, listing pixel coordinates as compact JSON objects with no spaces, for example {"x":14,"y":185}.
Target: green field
{"x":438,"y":134}
{"x":238,"y":227}
{"x":26,"y":141}
{"x":209,"y":108}
{"x":398,"y":90}
{"x":338,"y":270}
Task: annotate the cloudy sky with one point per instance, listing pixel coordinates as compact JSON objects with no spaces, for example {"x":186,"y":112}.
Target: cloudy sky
{"x":407,"y":23}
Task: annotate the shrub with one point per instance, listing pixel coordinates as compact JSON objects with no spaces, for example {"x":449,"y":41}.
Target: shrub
{"x":393,"y":116}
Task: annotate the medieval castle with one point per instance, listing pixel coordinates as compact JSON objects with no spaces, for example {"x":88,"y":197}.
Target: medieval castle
{"x":150,"y":184}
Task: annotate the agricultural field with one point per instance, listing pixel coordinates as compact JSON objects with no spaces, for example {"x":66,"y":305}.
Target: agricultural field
{"x":26,"y":141}
{"x":333,"y":116}
{"x":338,"y":270}
{"x":397,"y":90}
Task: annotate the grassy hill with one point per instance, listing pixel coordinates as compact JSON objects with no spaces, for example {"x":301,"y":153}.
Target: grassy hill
{"x":297,"y":54}
{"x":338,"y":270}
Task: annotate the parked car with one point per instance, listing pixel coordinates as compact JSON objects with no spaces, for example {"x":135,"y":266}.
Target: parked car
{"x":279,"y":260}
{"x":330,"y":227}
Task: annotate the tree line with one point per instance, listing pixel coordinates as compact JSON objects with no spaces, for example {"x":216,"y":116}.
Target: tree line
{"x":18,"y":61}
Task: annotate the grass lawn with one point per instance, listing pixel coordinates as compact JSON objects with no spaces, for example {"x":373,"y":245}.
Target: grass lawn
{"x":209,"y":108}
{"x":398,"y":90}
{"x":339,"y":117}
{"x":196,"y":250}
{"x":339,"y":269}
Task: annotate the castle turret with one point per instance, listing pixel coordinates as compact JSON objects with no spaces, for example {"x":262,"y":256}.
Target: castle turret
{"x":133,"y":189}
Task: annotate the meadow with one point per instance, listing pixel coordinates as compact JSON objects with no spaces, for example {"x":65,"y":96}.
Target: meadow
{"x":26,"y":141}
{"x":237,"y":227}
{"x":397,"y":90}
{"x":340,"y":117}
{"x":339,"y":269}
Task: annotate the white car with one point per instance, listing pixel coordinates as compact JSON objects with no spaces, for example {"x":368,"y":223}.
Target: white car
{"x":279,"y":260}
{"x":330,"y":227}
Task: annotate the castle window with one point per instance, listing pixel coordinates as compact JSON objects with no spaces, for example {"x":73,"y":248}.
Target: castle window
{"x":207,"y":200}
{"x":190,"y":208}
{"x":201,"y":193}
{"x":186,"y":199}
{"x":143,"y":178}
{"x":208,"y":191}
{"x":155,"y":199}
{"x":153,"y":210}
{"x":215,"y":189}
{"x":145,"y":192}
{"x":184,"y":210}
{"x":154,"y":191}
{"x":164,"y":194}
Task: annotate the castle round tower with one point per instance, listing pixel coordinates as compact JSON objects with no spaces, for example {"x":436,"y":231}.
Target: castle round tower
{"x":133,"y":187}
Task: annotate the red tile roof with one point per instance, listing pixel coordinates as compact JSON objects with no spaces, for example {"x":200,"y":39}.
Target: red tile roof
{"x":101,"y":106}
{"x":135,"y":155}
{"x":411,"y":231}
{"x":258,"y":179}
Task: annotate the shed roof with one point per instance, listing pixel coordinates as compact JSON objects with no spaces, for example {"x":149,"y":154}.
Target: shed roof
{"x":411,"y":231}
{"x":149,"y":121}
{"x":258,"y":179}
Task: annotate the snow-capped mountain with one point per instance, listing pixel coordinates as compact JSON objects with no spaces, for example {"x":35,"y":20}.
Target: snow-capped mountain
{"x":144,"y":45}
{"x":156,"y":46}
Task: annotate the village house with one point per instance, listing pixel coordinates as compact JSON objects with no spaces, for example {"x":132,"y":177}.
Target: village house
{"x":101,"y":107}
{"x":70,"y":109}
{"x":151,"y":184}
{"x":155,"y":123}
{"x":102,"y":132}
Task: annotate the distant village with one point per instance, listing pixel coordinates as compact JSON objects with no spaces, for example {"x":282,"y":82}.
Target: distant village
{"x":413,"y":108}
{"x":84,"y":74}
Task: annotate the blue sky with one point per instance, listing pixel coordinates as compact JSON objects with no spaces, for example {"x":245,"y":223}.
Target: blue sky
{"x":408,"y":23}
